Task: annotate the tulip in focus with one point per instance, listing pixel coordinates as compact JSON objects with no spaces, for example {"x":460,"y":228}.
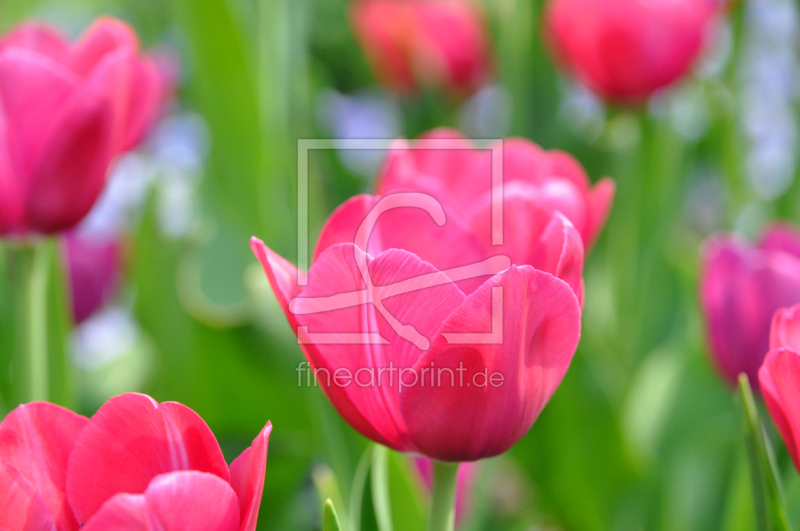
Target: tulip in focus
{"x":779,"y":377}
{"x":742,"y":286}
{"x":68,"y":109}
{"x":412,"y":44}
{"x":624,"y":50}
{"x":427,"y":338}
{"x":134,"y":465}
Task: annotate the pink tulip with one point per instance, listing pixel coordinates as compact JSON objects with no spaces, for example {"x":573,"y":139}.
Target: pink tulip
{"x":535,"y":184}
{"x":624,"y":50}
{"x":780,"y":386}
{"x":93,"y":265}
{"x":35,"y":442}
{"x":134,"y":465}
{"x":67,"y":110}
{"x":424,"y":295}
{"x":742,"y":286}
{"x":420,"y":43}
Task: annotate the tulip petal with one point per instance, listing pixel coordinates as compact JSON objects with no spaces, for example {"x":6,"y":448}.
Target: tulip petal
{"x":247,"y":479}
{"x":39,"y":38}
{"x":33,"y":88}
{"x":464,"y":417}
{"x":37,"y":439}
{"x":368,"y":400}
{"x":94,"y":265}
{"x":144,"y":102}
{"x":21,"y":507}
{"x":179,"y":501}
{"x":106,"y":35}
{"x":779,"y":377}
{"x":129,"y":441}
{"x":12,"y":203}
{"x":785,"y":329}
{"x":559,"y":251}
{"x":282,"y":276}
{"x":781,"y":237}
{"x":600,"y":199}
{"x":411,"y":227}
{"x":441,"y":163}
{"x":71,"y":170}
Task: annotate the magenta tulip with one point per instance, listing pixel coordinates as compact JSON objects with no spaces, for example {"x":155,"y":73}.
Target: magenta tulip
{"x":135,"y":464}
{"x":424,"y":336}
{"x":93,"y":265}
{"x":67,"y":110}
{"x":742,"y":286}
{"x":625,"y":50}
{"x":424,"y":43}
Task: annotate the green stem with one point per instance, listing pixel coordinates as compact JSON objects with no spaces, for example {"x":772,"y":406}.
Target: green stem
{"x":443,"y":505}
{"x":30,"y":275}
{"x":37,"y":321}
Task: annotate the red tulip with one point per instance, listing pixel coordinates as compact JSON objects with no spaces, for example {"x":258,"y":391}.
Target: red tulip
{"x":135,"y":464}
{"x":780,"y":386}
{"x":35,"y":442}
{"x":67,"y":110}
{"x":414,"y":43}
{"x":627,"y":49}
{"x":742,"y":286}
{"x":93,"y":265}
{"x":425,"y":296}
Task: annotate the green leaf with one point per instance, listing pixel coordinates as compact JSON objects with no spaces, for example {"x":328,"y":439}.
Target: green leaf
{"x":408,"y":509}
{"x":768,"y":498}
{"x":330,"y":522}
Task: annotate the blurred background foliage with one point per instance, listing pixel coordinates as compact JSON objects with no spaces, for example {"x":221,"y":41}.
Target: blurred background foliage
{"x":640,"y":435}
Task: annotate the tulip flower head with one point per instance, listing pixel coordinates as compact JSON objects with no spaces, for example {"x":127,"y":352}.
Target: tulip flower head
{"x":425,"y":335}
{"x":134,"y":464}
{"x":420,"y":43}
{"x":624,"y":50}
{"x":779,"y":377}
{"x":67,"y":110}
{"x":742,"y":286}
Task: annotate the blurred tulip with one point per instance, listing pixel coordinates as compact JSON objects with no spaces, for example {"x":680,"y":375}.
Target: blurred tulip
{"x":134,"y":464}
{"x":465,"y":483}
{"x":414,"y":291}
{"x":35,"y":442}
{"x":67,"y":110}
{"x":625,"y":50}
{"x":742,"y":286}
{"x":93,"y":265}
{"x":779,"y":377}
{"x":412,"y":44}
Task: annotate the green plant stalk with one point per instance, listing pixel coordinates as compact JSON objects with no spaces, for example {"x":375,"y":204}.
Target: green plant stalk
{"x":30,"y":279}
{"x":770,"y":509}
{"x":443,"y":504}
{"x":37,"y":322}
